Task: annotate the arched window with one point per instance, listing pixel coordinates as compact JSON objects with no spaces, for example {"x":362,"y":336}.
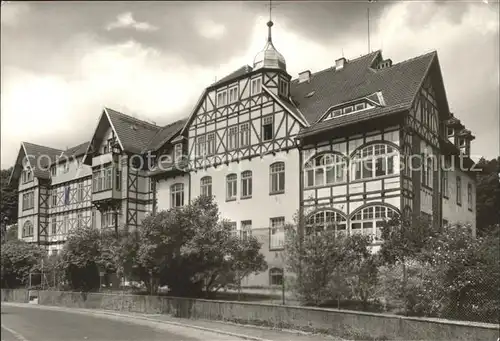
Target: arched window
{"x":231,"y":186}
{"x":246,"y":184}
{"x":206,"y":186}
{"x":275,"y":276}
{"x":324,"y":220}
{"x":177,"y":195}
{"x":28,"y":229}
{"x":277,"y":178}
{"x":369,"y":220}
{"x":375,"y":160}
{"x":325,"y":169}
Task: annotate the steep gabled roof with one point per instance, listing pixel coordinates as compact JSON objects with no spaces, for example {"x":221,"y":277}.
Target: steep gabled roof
{"x":359,"y":78}
{"x":133,"y":134}
{"x":164,"y":135}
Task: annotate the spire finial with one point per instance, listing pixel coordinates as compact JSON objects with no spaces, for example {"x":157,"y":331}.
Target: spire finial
{"x":270,"y":22}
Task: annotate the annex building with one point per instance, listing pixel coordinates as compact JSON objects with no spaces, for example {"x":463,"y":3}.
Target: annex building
{"x":354,"y":144}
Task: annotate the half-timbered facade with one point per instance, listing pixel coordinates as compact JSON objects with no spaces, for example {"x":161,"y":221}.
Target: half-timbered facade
{"x":345,"y":148}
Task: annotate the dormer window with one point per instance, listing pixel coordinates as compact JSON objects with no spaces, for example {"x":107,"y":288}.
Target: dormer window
{"x":337,"y":112}
{"x":233,"y":94}
{"x":53,"y":171}
{"x":461,"y":142}
{"x":449,"y":131}
{"x":283,"y":90}
{"x":178,"y":151}
{"x":27,"y":175}
{"x":360,"y":106}
{"x":256,"y":86}
{"x":348,"y":110}
{"x":222,"y":98}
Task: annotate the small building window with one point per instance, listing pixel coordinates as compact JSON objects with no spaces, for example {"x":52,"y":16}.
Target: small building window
{"x":222,"y":98}
{"x":234,"y":228}
{"x":28,"y":201}
{"x":28,"y":229}
{"x":54,"y":226}
{"x":79,"y":192}
{"x":244,"y":135}
{"x":348,"y":110}
{"x":277,"y":233}
{"x":246,"y":184}
{"x":444,"y":183}
{"x":178,"y":151}
{"x":201,"y":146}
{"x":277,"y":178}
{"x":256,"y":86}
{"x":53,"y":171}
{"x":206,"y":186}
{"x":211,"y":144}
{"x":232,"y":138}
{"x":54,"y":197}
{"x":449,"y":131}
{"x":276,"y":276}
{"x":233,"y":94}
{"x":359,"y":106}
{"x":118,"y":179}
{"x":283,"y":90}
{"x":27,"y":175}
{"x":267,"y":128}
{"x":177,"y":195}
{"x":231,"y":186}
{"x":246,"y":229}
{"x":459,"y":191}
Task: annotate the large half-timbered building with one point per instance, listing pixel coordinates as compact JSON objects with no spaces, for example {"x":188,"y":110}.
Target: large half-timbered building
{"x":348,"y":147}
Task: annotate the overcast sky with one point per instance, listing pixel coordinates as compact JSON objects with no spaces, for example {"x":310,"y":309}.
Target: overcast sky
{"x":61,"y":63}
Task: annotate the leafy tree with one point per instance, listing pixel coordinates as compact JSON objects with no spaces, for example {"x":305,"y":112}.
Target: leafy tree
{"x":191,"y":250}
{"x":487,"y":195}
{"x":404,"y":243}
{"x":80,"y":258}
{"x":8,"y":200}
{"x":19,"y":259}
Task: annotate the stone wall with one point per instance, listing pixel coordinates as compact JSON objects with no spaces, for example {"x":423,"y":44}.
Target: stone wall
{"x":347,"y":324}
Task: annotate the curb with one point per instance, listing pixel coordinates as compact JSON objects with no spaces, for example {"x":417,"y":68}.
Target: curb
{"x":107,"y":312}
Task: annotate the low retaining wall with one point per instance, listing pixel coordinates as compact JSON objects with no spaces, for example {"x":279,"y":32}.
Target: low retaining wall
{"x":347,"y":324}
{"x":15,"y":295}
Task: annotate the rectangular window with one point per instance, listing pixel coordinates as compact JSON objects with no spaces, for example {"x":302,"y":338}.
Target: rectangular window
{"x":337,"y":113}
{"x":53,"y":197}
{"x":177,"y":151}
{"x":244,"y":135}
{"x":28,"y":201}
{"x":277,"y":237}
{"x":277,"y":181}
{"x":283,"y":90}
{"x":246,"y":229}
{"x":66,"y":167}
{"x":449,"y":131}
{"x":54,"y":226}
{"x":444,"y":184}
{"x":67,"y":192}
{"x":233,"y":94}
{"x":206,"y":186}
{"x":360,"y":106}
{"x":469,"y":196}
{"x":79,"y":220}
{"x":231,"y":187}
{"x":118,"y":180}
{"x":109,"y":178}
{"x":65,"y":225}
{"x":459,"y":191}
{"x":53,"y":171}
{"x":177,"y":195}
{"x":246,"y":184}
{"x":201,"y":146}
{"x":27,"y":175}
{"x":256,"y":86}
{"x":348,"y":110}
{"x":211,"y":144}
{"x":79,"y":193}
{"x":234,"y":228}
{"x":222,"y":98}
{"x":232,"y":138}
{"x":267,"y":128}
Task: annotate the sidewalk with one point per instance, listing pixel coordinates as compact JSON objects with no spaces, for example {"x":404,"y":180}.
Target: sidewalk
{"x":248,"y":332}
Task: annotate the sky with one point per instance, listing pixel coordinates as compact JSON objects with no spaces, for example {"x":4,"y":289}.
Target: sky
{"x":62,"y":62}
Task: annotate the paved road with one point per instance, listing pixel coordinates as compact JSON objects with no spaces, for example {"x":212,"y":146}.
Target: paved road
{"x":30,"y":324}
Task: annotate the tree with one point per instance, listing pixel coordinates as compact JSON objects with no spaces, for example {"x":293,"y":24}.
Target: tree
{"x":191,"y":250}
{"x":8,"y":200}
{"x":404,"y":243}
{"x":19,"y":259}
{"x":80,"y":258}
{"x":487,"y":195}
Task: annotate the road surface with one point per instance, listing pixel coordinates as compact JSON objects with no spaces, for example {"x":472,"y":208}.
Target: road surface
{"x":33,"y":324}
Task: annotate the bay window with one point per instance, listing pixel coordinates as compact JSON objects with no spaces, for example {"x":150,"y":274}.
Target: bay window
{"x":375,"y":161}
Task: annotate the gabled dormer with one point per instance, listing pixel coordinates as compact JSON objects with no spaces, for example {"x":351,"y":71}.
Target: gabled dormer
{"x":458,"y":135}
{"x":361,"y":104}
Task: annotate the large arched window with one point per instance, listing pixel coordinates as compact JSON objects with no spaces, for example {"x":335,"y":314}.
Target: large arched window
{"x":369,"y":220}
{"x":327,"y":219}
{"x":206,"y":186}
{"x":325,"y":169}
{"x":177,"y":195}
{"x":28,"y":229}
{"x":374,"y":161}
